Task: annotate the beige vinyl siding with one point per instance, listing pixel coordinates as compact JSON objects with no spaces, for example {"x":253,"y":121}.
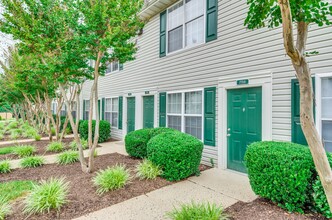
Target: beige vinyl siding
{"x":236,"y":51}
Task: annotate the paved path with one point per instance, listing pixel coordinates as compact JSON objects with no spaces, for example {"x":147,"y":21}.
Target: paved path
{"x":213,"y":185}
{"x":106,"y":148}
{"x":14,"y":142}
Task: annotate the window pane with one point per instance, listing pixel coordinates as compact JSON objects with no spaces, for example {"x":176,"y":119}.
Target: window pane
{"x":87,"y":105}
{"x":109,"y":68}
{"x":327,"y":98}
{"x":195,"y":32}
{"x":327,"y":87}
{"x":193,"y":9}
{"x":193,"y":102}
{"x":115,"y":66}
{"x":175,"y":39}
{"x":174,"y":122}
{"x":108,"y":117}
{"x":175,"y":103}
{"x":327,"y":135}
{"x":175,"y":16}
{"x":193,"y":126}
{"x":114,"y":122}
{"x":108,"y":104}
{"x":115,"y":105}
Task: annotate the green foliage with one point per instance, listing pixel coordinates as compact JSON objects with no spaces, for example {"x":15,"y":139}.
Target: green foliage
{"x":14,"y":189}
{"x":262,"y":13}
{"x":12,"y":125}
{"x":104,"y":130}
{"x":284,"y":173}
{"x":30,"y":132}
{"x":32,"y":162}
{"x":47,"y":195}
{"x":7,"y":150}
{"x":14,"y":134}
{"x":53,"y":131}
{"x":178,"y":154}
{"x":198,"y":211}
{"x":1,"y":136}
{"x":111,"y":179}
{"x":5,"y":166}
{"x":136,"y":141}
{"x":55,"y":147}
{"x":147,"y":170}
{"x":24,"y":151}
{"x":74,"y":146}
{"x":68,"y":157}
{"x":37,"y":137}
{"x":5,"y":208}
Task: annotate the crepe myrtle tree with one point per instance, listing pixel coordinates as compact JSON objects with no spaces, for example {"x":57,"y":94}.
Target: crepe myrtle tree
{"x":108,"y":27}
{"x":273,"y":13}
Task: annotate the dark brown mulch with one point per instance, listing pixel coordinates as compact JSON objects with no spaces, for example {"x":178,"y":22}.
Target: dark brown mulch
{"x":40,"y":148}
{"x":262,"y":209}
{"x":83,"y":197}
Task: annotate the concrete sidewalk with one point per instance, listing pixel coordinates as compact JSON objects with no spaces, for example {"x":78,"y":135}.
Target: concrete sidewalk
{"x":106,"y":148}
{"x":15,"y":142}
{"x":214,"y":186}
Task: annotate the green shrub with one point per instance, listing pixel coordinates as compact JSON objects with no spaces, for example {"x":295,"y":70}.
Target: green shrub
{"x":104,"y":130}
{"x":136,"y":141}
{"x":282,"y":172}
{"x":37,"y":137}
{"x":24,"y":151}
{"x":32,"y":162}
{"x":178,"y":154}
{"x":55,"y":147}
{"x":84,"y":144}
{"x":198,"y":211}
{"x":30,"y":132}
{"x":47,"y":195}
{"x":6,"y":150}
{"x":12,"y":125}
{"x":5,"y":208}
{"x":14,"y":134}
{"x":2,"y":126}
{"x":5,"y":166}
{"x":53,"y":131}
{"x":68,"y":157}
{"x":1,"y":137}
{"x":111,"y":179}
{"x":147,"y":170}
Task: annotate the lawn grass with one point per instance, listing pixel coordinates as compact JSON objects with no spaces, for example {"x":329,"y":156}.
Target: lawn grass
{"x":14,"y":189}
{"x":7,"y":150}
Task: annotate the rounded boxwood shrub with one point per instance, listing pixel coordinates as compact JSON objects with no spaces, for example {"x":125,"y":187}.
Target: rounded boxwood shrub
{"x":178,"y":154}
{"x":136,"y":141}
{"x":104,"y":130}
{"x":282,"y":172}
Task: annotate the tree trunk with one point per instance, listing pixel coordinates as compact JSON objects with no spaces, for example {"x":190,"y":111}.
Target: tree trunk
{"x":297,"y":56}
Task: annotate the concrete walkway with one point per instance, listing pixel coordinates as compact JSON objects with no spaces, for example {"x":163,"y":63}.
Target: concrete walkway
{"x":214,"y":186}
{"x":106,"y":148}
{"x":15,"y":142}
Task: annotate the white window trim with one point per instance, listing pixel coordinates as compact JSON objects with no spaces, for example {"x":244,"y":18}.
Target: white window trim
{"x":113,"y":97}
{"x":183,"y":109}
{"x":84,"y":110}
{"x":318,"y":97}
{"x":115,"y":71}
{"x":184,"y":34}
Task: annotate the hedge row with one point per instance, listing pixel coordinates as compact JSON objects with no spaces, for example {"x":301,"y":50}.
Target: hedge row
{"x":285,"y":174}
{"x":104,"y":130}
{"x":178,"y":154}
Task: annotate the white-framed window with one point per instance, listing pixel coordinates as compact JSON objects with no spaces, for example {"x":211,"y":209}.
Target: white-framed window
{"x":185,"y":24}
{"x":185,"y":112}
{"x":324,"y":112}
{"x":112,"y":67}
{"x":86,"y":109}
{"x":63,"y":111}
{"x":111,"y":111}
{"x":74,"y":109}
{"x":53,"y":108}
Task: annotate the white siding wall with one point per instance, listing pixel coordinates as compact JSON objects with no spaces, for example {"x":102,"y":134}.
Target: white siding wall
{"x":235,"y":52}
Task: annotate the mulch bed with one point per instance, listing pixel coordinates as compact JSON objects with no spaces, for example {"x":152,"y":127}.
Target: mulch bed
{"x":262,"y":209}
{"x":83,"y":197}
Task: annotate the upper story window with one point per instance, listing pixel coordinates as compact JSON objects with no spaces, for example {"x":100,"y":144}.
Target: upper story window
{"x":112,"y":67}
{"x":186,"y":25}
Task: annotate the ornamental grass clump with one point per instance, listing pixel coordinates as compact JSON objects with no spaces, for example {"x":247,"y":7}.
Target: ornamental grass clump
{"x":111,"y":179}
{"x":5,"y":166}
{"x":30,"y":132}
{"x":55,"y":147}
{"x":37,"y":137}
{"x":198,"y":211}
{"x":73,"y":144}
{"x":32,"y":162}
{"x":5,"y":208}
{"x":68,"y":157}
{"x":48,"y":195}
{"x":24,"y":151}
{"x":14,"y":134}
{"x":147,"y":170}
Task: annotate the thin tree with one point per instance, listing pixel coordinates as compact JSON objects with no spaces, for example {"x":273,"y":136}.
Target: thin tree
{"x":302,"y":13}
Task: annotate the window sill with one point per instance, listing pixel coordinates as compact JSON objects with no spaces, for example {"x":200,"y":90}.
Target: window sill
{"x":181,"y":51}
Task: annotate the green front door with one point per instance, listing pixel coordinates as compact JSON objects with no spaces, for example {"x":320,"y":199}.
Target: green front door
{"x":244,"y":124}
{"x":148,"y":111}
{"x":130,"y":114}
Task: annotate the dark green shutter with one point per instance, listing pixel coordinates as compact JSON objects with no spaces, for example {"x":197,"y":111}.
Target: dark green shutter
{"x":211,"y":20}
{"x":120,"y":112}
{"x":162,"y":44}
{"x":121,"y":66}
{"x":162,"y":109}
{"x":103,"y":109}
{"x":210,"y":116}
{"x":84,"y":110}
{"x":297,"y":133}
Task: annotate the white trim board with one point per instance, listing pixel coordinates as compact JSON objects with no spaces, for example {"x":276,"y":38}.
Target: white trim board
{"x":258,"y":79}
